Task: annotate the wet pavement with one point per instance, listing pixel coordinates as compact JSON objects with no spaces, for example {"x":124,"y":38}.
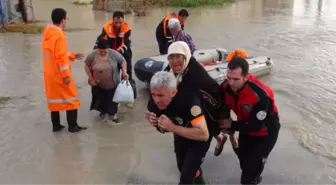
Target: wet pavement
{"x":298,"y":34}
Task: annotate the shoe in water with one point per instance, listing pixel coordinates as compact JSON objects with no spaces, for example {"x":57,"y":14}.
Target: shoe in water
{"x":114,"y":118}
{"x":130,"y":105}
{"x":76,"y":129}
{"x":102,"y":115}
{"x":58,"y":128}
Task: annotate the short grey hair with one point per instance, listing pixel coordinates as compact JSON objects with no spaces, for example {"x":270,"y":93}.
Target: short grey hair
{"x":163,"y":79}
{"x":174,"y":23}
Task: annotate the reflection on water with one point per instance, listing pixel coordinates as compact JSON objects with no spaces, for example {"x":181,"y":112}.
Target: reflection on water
{"x":298,"y":34}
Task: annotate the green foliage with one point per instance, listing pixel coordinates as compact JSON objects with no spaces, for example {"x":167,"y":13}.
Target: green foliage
{"x":194,"y":3}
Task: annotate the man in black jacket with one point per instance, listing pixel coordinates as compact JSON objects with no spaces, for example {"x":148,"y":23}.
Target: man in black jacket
{"x":181,"y":113}
{"x":163,"y":35}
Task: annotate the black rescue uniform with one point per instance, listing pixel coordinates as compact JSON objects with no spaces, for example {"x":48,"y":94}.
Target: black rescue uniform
{"x":196,"y":79}
{"x":184,"y":110}
{"x":122,"y":43}
{"x":163,"y":34}
{"x":258,"y":125}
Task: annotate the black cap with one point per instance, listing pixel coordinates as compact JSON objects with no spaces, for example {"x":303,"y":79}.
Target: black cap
{"x":102,"y":44}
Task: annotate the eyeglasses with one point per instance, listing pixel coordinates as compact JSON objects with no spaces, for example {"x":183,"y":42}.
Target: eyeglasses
{"x":175,"y":57}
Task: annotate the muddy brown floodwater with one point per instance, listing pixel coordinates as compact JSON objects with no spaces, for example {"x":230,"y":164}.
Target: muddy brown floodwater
{"x":298,"y":34}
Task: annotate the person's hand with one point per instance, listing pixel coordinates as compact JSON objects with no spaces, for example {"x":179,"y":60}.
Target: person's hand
{"x":234,"y":141}
{"x":151,"y":117}
{"x":165,"y":123}
{"x":67,"y":80}
{"x":79,"y":56}
{"x":125,"y":76}
{"x":93,"y":82}
{"x":226,"y":123}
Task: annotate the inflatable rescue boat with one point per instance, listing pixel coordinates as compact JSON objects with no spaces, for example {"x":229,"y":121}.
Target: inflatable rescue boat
{"x":213,"y":60}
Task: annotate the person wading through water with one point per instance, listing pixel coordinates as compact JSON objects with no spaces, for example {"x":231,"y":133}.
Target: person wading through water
{"x":257,"y":118}
{"x":101,"y":66}
{"x":180,"y":113}
{"x":59,"y":84}
{"x":118,"y":34}
{"x":192,"y":77}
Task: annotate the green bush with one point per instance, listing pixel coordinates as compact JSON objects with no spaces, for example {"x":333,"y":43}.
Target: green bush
{"x":193,"y":3}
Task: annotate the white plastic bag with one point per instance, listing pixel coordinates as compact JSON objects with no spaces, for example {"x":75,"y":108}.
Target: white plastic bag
{"x":124,"y":93}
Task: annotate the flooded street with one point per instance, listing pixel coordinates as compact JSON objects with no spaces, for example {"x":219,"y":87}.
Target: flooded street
{"x":300,"y":35}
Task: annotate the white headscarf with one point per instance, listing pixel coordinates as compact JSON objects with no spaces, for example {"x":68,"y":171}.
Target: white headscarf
{"x":180,"y":47}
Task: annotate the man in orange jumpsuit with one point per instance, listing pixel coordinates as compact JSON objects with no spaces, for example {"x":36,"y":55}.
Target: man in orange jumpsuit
{"x":60,"y":87}
{"x":118,"y":34}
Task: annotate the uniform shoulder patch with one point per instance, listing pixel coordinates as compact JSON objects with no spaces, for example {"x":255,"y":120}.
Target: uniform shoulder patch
{"x":195,"y":110}
{"x":261,"y":115}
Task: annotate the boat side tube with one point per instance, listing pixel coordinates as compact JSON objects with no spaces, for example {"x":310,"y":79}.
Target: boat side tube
{"x":145,"y":68}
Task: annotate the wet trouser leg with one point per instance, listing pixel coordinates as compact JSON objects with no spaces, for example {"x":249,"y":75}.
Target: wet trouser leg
{"x":107,"y":105}
{"x":162,"y":48}
{"x":162,"y":45}
{"x":55,"y":119}
{"x":130,"y":73}
{"x":112,"y":107}
{"x":252,"y":153}
{"x":103,"y":101}
{"x":71,"y":118}
{"x":189,"y":157}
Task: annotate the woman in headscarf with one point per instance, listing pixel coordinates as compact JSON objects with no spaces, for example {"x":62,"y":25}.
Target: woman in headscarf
{"x":191,"y":76}
{"x":103,"y":69}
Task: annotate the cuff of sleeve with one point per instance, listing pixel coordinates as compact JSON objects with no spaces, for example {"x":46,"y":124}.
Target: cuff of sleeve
{"x":72,"y":56}
{"x":195,"y":120}
{"x":65,"y":70}
{"x":65,"y":73}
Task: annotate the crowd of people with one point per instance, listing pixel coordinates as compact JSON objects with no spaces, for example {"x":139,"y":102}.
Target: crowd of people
{"x":184,"y":99}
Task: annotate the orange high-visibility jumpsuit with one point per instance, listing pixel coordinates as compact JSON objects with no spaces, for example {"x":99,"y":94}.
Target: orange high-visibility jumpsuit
{"x":56,"y":66}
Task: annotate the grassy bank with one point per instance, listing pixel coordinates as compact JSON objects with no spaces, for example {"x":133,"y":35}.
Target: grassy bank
{"x":194,"y":3}
{"x":82,"y":3}
{"x":174,"y":3}
{"x":29,"y":28}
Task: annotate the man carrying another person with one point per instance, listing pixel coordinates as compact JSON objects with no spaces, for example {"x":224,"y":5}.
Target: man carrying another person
{"x":117,"y":32}
{"x":192,"y":77}
{"x":183,"y":116}
{"x":163,"y":35}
